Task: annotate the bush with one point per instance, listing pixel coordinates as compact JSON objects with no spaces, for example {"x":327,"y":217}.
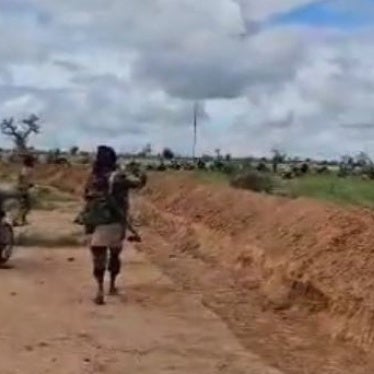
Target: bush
{"x":201,"y":165}
{"x":167,"y":154}
{"x":304,"y":168}
{"x":343,"y":172}
{"x":322,"y":170}
{"x":254,"y":181}
{"x":262,"y":167}
{"x":369,"y":171}
{"x":229,"y":169}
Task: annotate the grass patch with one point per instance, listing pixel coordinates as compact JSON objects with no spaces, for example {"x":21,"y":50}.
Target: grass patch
{"x":7,"y":177}
{"x":254,"y":181}
{"x":34,"y":239}
{"x":47,"y":193}
{"x":49,"y":198}
{"x":330,"y":188}
{"x":351,"y":190}
{"x":38,"y":204}
{"x":212,"y":177}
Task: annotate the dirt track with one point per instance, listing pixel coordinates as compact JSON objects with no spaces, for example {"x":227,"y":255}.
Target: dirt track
{"x":49,"y":324}
{"x":292,"y":279}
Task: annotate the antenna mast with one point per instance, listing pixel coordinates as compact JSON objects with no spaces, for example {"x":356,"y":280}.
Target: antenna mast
{"x":195,"y":112}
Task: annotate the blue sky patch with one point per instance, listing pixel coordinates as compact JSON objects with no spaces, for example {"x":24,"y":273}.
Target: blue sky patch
{"x":329,"y":14}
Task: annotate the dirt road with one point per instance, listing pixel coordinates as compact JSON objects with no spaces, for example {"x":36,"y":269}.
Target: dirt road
{"x":49,"y":324}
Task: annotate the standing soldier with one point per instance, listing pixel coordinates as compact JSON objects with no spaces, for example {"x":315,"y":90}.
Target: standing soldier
{"x":105,"y":216}
{"x":134,"y":169}
{"x":24,"y":184}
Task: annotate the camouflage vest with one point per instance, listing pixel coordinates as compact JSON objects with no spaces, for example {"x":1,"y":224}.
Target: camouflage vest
{"x":24,"y":180}
{"x":103,"y":201}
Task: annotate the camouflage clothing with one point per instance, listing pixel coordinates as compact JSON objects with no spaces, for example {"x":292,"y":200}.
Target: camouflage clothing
{"x":106,"y":207}
{"x":105,"y":217}
{"x":25,"y":180}
{"x":23,"y":187}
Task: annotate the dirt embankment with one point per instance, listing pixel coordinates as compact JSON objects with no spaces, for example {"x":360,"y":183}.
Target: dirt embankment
{"x":295,"y":252}
{"x":298,"y":254}
{"x":68,"y":179}
{"x":267,"y":266}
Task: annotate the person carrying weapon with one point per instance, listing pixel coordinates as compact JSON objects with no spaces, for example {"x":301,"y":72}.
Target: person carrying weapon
{"x":105,"y":216}
{"x":24,"y":184}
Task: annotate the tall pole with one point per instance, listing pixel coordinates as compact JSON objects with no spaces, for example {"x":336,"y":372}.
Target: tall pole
{"x":194,"y":130}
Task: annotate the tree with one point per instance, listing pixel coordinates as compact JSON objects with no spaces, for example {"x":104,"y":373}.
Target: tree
{"x":206,"y":158}
{"x":74,"y":150}
{"x":20,"y":133}
{"x":228,"y":157}
{"x":167,"y":154}
{"x":363,"y":159}
{"x":146,"y":151}
{"x":278,"y":157}
{"x":347,"y":161}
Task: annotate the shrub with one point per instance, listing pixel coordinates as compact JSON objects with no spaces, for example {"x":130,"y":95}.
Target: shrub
{"x":201,"y":165}
{"x":369,"y":171}
{"x":254,"y":181}
{"x":262,"y":167}
{"x":343,"y":172}
{"x":167,"y":154}
{"x":161,"y":167}
{"x":229,"y":169}
{"x":322,"y":170}
{"x":304,"y":168}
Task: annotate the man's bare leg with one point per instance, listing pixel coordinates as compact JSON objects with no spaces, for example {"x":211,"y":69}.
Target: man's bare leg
{"x":114,"y":268}
{"x":99,"y":255}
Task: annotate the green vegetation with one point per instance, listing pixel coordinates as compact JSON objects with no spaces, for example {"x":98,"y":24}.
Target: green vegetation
{"x":212,"y":177}
{"x":254,"y":180}
{"x":49,"y":198}
{"x":37,"y":239}
{"x":350,"y":190}
{"x":346,"y":191}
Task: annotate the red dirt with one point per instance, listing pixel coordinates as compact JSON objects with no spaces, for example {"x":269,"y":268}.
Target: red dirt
{"x":50,"y":325}
{"x":299,"y":254}
{"x":69,"y":179}
{"x":282,"y":273}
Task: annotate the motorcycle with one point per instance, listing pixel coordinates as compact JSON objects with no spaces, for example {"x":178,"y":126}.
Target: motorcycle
{"x":6,"y":240}
{"x":6,"y":226}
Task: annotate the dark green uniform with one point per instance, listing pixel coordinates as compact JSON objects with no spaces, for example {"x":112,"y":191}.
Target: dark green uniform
{"x":23,"y":188}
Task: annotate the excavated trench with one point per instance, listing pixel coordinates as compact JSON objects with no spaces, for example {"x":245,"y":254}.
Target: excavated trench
{"x":292,"y":278}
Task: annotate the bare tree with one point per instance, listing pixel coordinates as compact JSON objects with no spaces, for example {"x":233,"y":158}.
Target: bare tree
{"x":363,"y":159}
{"x":146,"y":151}
{"x":347,"y":161}
{"x":74,"y":150}
{"x":278,"y":158}
{"x":20,"y":133}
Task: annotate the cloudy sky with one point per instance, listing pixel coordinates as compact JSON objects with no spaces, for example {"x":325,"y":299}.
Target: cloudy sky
{"x":291,"y":74}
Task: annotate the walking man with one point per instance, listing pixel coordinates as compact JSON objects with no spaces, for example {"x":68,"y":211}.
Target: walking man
{"x":105,"y":216}
{"x":24,"y":184}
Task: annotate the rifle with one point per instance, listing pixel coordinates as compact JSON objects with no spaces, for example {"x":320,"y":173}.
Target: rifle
{"x":135,"y":237}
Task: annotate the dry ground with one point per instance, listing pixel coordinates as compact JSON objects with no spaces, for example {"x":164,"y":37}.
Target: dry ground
{"x":49,"y":324}
{"x":292,"y":281}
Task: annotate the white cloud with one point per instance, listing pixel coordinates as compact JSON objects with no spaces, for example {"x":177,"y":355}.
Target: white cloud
{"x":127,"y":72}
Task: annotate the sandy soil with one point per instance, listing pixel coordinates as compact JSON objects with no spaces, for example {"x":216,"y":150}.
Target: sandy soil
{"x":292,"y":278}
{"x":49,"y":324}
